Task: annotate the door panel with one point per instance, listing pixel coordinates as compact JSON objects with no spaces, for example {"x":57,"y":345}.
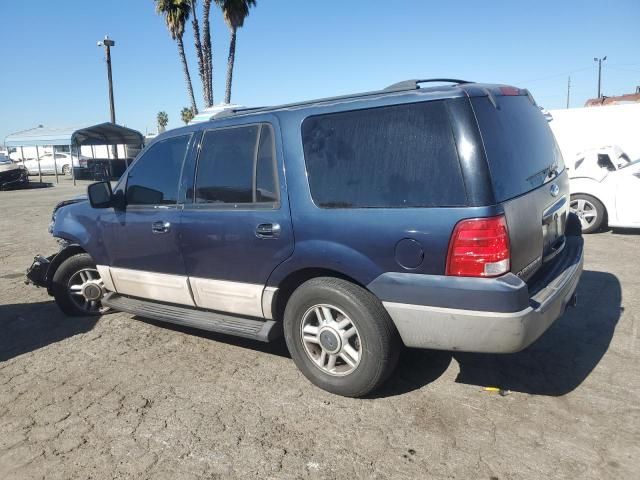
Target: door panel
{"x":238,"y":229}
{"x":626,"y":182}
{"x":142,"y":239}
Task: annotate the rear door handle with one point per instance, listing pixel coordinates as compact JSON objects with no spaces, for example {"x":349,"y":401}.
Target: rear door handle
{"x":268,"y":230}
{"x":160,"y":227}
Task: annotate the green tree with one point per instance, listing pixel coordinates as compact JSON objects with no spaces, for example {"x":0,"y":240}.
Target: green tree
{"x":163,"y":120}
{"x":186,"y":114}
{"x":234,"y":13}
{"x":176,"y":13}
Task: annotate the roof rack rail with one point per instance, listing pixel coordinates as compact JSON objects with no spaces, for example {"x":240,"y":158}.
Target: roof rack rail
{"x":227,"y":112}
{"x":414,"y":84}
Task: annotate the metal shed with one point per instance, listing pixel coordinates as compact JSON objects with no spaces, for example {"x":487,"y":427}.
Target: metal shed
{"x":101,"y":134}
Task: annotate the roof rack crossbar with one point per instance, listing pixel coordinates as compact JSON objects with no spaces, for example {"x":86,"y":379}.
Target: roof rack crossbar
{"x":414,"y":84}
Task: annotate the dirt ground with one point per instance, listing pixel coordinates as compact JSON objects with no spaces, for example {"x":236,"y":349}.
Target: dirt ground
{"x":124,"y":397}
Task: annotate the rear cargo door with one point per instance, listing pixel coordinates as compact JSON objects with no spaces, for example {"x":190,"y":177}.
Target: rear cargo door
{"x":528,"y":177}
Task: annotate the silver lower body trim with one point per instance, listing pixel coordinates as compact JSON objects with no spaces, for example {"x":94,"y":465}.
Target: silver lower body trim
{"x":438,"y":328}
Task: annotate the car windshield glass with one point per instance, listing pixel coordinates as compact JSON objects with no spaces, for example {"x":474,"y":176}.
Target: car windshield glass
{"x":635,"y":162}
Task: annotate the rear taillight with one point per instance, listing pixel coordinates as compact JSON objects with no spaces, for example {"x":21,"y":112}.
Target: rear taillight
{"x":479,"y":247}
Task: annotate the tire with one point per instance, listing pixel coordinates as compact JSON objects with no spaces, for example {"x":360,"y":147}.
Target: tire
{"x":590,"y":212}
{"x":66,"y":170}
{"x":72,"y":268}
{"x":376,"y":339}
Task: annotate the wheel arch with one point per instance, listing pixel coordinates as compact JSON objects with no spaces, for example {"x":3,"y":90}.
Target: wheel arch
{"x":294,"y":279}
{"x":61,"y":256}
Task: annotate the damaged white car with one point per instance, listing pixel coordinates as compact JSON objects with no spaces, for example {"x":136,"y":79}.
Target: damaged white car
{"x":605,"y":189}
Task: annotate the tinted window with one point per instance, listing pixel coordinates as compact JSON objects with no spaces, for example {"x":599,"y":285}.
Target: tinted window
{"x":266,"y":186}
{"x":521,"y":150}
{"x":153,"y":180}
{"x":399,"y":156}
{"x":232,"y":161}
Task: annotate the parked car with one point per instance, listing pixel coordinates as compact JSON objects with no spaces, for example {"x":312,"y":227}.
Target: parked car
{"x":605,"y":189}
{"x":62,"y":162}
{"x":12,"y":175}
{"x":427,"y":217}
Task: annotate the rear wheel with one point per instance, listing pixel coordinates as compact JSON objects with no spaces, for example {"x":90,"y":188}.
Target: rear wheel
{"x":77,"y":286}
{"x":589,"y":210}
{"x":340,"y":336}
{"x":66,"y":170}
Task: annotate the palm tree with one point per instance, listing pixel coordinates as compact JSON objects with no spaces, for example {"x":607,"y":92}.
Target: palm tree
{"x":163,"y":120}
{"x":207,"y":50}
{"x":234,"y":12}
{"x":186,"y":114}
{"x":176,"y":13}
{"x":199,"y":52}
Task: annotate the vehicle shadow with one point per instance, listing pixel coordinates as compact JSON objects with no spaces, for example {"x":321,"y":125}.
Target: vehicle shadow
{"x":277,"y":347}
{"x":26,"y":327}
{"x":560,"y":360}
{"x":554,"y":365}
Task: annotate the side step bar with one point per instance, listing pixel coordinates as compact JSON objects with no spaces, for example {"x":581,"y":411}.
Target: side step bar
{"x":261,"y":330}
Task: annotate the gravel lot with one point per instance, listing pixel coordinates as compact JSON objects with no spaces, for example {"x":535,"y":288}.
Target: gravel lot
{"x":127,"y":397}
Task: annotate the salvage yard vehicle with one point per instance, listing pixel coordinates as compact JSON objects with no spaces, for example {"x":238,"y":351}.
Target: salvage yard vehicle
{"x":605,"y":189}
{"x":63,"y":163}
{"x":12,"y":175}
{"x":432,"y":217}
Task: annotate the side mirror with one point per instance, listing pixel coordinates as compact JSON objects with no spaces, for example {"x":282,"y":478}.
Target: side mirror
{"x":100,"y":195}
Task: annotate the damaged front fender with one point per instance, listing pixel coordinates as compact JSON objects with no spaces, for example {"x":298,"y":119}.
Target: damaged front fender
{"x":37,"y":272}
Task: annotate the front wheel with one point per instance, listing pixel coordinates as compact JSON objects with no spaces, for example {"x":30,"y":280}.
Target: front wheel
{"x":340,"y":336}
{"x":77,"y":286}
{"x":589,"y":210}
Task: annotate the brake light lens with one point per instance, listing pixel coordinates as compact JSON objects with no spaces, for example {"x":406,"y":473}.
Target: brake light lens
{"x":479,"y":247}
{"x":510,"y":91}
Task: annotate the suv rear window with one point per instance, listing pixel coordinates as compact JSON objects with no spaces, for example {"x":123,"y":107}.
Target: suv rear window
{"x":521,"y":149}
{"x":397,"y":156}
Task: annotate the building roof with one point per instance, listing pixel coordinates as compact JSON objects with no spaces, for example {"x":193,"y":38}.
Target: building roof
{"x":101,"y":134}
{"x":617,"y":100}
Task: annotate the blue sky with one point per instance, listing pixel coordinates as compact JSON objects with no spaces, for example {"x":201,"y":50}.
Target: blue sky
{"x":52,"y":72}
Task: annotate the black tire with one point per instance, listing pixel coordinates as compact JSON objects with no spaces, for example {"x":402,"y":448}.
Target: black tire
{"x":65,"y":170}
{"x":61,"y":277}
{"x":379,"y":338}
{"x":592,"y":204}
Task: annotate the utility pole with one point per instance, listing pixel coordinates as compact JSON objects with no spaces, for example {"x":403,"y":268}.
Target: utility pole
{"x":568,"y":90}
{"x":107,"y":43}
{"x":599,"y":60}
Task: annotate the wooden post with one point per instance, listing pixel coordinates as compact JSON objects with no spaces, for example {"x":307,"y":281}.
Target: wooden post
{"x":39,"y":169}
{"x":22,"y":155}
{"x":55,"y":164}
{"x":73,"y":170}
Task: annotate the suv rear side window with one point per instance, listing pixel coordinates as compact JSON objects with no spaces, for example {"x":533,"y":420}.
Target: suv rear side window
{"x":520,"y":147}
{"x":153,"y":180}
{"x":237,"y":165}
{"x":397,"y":156}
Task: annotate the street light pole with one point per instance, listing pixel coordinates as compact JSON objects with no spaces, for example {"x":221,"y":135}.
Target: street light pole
{"x":107,"y":43}
{"x":599,"y":60}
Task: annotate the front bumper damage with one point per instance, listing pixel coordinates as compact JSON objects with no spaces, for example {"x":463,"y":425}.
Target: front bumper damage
{"x":37,"y":272}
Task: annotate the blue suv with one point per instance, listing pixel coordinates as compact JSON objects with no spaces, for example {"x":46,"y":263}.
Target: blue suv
{"x":432,"y":217}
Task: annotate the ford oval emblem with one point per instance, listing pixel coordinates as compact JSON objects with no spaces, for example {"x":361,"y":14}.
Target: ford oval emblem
{"x":555,"y":190}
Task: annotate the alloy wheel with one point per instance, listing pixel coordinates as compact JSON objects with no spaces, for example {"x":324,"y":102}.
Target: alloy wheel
{"x":331,"y":340}
{"x":586,"y":212}
{"x":86,"y":290}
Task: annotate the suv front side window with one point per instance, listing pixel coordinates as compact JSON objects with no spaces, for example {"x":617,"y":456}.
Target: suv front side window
{"x":153,"y":180}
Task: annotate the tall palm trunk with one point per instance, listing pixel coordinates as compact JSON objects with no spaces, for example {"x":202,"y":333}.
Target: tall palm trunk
{"x":230,"y":60}
{"x":207,"y":50}
{"x":199,"y":53}
{"x":187,"y":77}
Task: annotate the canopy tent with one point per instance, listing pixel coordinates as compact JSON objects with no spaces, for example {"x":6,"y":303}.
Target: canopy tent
{"x":101,"y":134}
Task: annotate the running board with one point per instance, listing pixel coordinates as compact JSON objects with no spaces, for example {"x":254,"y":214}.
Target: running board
{"x":261,"y":330}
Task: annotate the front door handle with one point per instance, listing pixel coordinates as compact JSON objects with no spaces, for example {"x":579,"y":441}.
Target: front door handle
{"x":160,"y":227}
{"x":268,"y":230}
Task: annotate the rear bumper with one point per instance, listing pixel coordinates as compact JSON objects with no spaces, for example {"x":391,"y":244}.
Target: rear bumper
{"x":441,"y":328}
